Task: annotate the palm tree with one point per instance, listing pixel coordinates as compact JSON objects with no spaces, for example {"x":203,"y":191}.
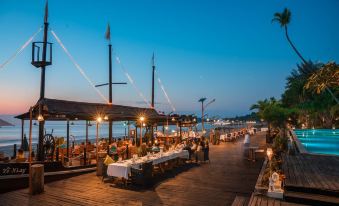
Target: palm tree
{"x":261,"y":106}
{"x":324,"y":78}
{"x":327,"y":76}
{"x":284,"y":19}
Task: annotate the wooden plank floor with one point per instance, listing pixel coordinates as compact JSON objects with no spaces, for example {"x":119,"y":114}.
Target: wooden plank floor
{"x":217,"y":183}
{"x":312,"y":171}
{"x":260,"y":200}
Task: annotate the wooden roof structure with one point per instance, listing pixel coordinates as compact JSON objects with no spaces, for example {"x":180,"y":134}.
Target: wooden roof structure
{"x":54,"y":109}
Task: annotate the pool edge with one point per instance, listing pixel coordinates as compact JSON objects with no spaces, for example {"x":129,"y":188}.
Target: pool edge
{"x":302,"y":149}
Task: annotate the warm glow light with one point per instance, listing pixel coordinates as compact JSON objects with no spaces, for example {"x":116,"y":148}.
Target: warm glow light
{"x":99,"y":119}
{"x":40,"y":118}
{"x":142,"y":118}
{"x":143,"y":124}
{"x":166,"y":128}
{"x":106,"y":117}
{"x":173,"y":119}
{"x":269,"y":153}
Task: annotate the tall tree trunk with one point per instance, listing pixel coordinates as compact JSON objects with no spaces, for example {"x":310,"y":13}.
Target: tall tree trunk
{"x":293,"y":47}
{"x":306,"y":63}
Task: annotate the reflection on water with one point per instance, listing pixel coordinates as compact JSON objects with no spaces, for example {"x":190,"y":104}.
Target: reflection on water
{"x":321,"y":141}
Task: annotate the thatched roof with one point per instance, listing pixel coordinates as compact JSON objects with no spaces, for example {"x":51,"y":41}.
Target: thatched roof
{"x":3,"y":123}
{"x":53,"y":109}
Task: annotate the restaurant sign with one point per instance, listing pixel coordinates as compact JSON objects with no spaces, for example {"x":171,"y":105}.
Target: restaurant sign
{"x":13,"y":169}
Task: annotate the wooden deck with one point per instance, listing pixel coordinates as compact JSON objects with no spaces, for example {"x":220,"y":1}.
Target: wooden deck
{"x":259,"y":200}
{"x":217,"y":183}
{"x":311,"y":179}
{"x":317,"y":173}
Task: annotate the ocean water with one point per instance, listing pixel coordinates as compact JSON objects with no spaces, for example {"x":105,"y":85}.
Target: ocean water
{"x":320,"y":141}
{"x":12,"y":135}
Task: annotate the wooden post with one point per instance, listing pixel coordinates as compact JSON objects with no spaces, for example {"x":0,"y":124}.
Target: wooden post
{"x":30,"y":150}
{"x":140,"y":134}
{"x":86,"y":132}
{"x":37,"y":179}
{"x":22,"y":132}
{"x":14,"y":151}
{"x":67,"y":135}
{"x":180,"y":132}
{"x":128,"y":129}
{"x":86,"y":142}
{"x":136,"y":135}
{"x":110,"y":124}
{"x":97,"y":148}
{"x":36,"y":172}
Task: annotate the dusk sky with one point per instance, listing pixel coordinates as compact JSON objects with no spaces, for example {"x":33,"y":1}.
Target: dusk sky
{"x":227,"y":50}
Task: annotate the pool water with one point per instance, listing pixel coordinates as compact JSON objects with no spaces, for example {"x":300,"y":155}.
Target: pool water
{"x":320,"y":141}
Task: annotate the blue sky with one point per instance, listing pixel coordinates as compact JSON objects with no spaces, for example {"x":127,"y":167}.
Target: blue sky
{"x":228,"y":50}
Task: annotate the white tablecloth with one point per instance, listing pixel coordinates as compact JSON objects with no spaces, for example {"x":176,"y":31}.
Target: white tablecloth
{"x":122,"y":169}
{"x":222,"y":137}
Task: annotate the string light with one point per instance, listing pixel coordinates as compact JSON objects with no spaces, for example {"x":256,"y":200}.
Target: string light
{"x":165,"y":94}
{"x":20,"y":49}
{"x":132,"y":81}
{"x":82,"y":72}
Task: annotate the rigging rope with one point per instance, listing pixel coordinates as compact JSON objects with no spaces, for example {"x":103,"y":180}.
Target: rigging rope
{"x":82,"y":72}
{"x":165,"y":94}
{"x":132,"y":81}
{"x":20,"y":49}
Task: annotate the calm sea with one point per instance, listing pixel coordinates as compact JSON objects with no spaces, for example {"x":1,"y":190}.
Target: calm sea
{"x":12,"y":135}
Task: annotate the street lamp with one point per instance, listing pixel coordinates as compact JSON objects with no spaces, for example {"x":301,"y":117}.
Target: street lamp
{"x":269,"y":153}
{"x":202,"y":100}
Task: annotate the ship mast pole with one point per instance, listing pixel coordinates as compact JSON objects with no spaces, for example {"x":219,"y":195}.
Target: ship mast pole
{"x":153,"y":71}
{"x":152,"y":102}
{"x":110,"y":122}
{"x":42,"y":85}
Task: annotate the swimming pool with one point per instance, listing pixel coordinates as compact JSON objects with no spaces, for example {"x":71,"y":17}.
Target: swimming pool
{"x":320,"y":141}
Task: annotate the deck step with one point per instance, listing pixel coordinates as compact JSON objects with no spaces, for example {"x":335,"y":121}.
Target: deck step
{"x":316,"y":191}
{"x":240,"y":201}
{"x":311,"y":199}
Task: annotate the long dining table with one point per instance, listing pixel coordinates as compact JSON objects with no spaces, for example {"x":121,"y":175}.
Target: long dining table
{"x":123,"y":168}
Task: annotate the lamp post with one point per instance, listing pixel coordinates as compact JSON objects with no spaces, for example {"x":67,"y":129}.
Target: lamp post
{"x":269,"y":153}
{"x":202,"y":100}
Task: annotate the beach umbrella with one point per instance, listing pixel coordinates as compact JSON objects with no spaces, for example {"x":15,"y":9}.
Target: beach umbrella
{"x":24,"y":145}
